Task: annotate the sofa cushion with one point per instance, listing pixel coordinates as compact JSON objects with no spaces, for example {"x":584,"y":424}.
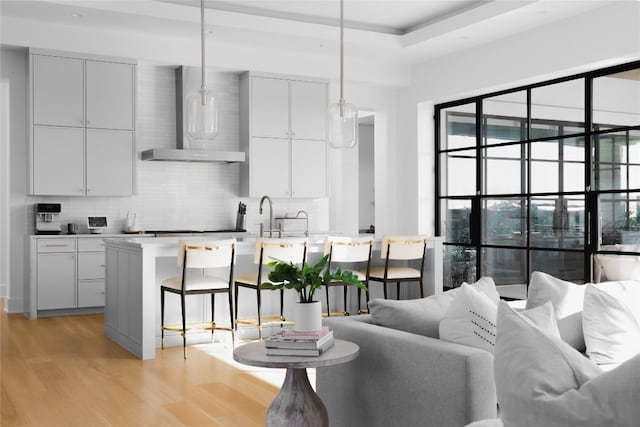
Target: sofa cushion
{"x":470,"y":319}
{"x":567,"y":299}
{"x":539,"y":376}
{"x":611,"y":321}
{"x":421,"y":316}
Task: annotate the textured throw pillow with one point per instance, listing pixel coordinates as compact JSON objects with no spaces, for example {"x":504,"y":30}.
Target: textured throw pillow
{"x":611,"y":321}
{"x":471,"y":319}
{"x":567,"y":299}
{"x":418,"y":316}
{"x":538,"y":375}
{"x":421,"y":316}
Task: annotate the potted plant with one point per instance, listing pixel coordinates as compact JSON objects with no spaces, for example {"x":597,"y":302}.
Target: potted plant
{"x":306,"y":280}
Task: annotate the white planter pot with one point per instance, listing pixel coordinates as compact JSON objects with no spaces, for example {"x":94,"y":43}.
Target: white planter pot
{"x":307,"y":316}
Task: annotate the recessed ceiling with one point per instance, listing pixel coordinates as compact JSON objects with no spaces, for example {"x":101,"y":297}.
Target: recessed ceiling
{"x":392,"y":31}
{"x":385,"y":16}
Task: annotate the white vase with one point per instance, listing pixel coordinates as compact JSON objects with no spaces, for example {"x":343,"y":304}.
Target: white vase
{"x":307,"y":316}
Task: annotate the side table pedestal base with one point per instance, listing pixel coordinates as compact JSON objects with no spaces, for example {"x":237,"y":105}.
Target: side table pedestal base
{"x":297,"y":404}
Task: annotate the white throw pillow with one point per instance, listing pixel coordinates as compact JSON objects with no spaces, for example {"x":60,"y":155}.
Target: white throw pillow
{"x":471,"y":319}
{"x":620,"y":267}
{"x":567,"y":299}
{"x":484,"y":284}
{"x":535,"y":370}
{"x":611,"y":321}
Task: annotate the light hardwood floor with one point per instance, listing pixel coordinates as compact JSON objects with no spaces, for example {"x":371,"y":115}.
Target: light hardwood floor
{"x":64,"y":372}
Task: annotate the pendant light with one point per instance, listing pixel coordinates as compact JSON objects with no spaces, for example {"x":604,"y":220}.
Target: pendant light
{"x":202,"y":106}
{"x":343,"y":117}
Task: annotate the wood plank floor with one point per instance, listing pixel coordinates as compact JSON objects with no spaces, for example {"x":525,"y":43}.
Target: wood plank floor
{"x":64,"y":372}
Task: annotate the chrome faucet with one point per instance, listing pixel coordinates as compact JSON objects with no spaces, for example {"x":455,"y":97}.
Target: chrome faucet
{"x":267,"y":198}
{"x":306,"y":215}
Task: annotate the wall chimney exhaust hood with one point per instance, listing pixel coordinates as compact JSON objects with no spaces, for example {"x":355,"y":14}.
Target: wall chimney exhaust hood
{"x":183,"y":153}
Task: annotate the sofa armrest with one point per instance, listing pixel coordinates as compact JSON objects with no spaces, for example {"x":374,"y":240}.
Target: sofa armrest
{"x":405,"y":379}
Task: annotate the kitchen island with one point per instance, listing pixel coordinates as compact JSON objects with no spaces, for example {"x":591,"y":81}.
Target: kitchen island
{"x":136,"y":266}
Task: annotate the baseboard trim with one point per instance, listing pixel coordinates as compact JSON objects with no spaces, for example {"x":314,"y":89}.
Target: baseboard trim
{"x":13,"y":305}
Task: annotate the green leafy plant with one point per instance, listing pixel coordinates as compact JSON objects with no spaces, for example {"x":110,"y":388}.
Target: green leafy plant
{"x":306,"y":280}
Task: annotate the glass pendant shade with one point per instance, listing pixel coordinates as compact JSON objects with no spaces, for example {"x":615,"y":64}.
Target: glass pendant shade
{"x":202,"y":115}
{"x":343,"y":125}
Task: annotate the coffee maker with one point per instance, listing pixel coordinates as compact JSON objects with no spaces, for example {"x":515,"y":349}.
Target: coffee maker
{"x":48,"y":218}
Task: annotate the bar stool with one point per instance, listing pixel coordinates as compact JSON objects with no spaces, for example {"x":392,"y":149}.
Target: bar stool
{"x":200,"y":255}
{"x":343,"y":250}
{"x":400,"y":248}
{"x":267,"y":250}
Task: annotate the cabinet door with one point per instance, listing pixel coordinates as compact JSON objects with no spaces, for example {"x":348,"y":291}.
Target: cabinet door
{"x":56,"y":281}
{"x":308,"y":168}
{"x":91,"y":293}
{"x":269,"y":107}
{"x":270,"y":167}
{"x":109,"y":95}
{"x":309,"y":110}
{"x":109,"y":162}
{"x":58,"y":161}
{"x":58,"y":91}
{"x":91,"y":265}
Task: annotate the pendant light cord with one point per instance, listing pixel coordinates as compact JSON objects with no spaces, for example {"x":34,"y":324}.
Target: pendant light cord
{"x":203,"y":86}
{"x":341,"y":51}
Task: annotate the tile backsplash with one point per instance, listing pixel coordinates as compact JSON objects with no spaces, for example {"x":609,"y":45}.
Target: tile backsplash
{"x":172,"y":195}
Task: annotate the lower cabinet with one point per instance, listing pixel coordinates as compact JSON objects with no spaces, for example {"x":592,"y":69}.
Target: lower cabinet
{"x":56,"y":280}
{"x":69,"y":273}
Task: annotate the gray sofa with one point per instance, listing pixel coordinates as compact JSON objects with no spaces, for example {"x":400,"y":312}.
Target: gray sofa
{"x":404,"y":379}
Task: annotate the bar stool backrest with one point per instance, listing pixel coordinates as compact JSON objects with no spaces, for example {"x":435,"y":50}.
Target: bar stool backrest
{"x":206,"y":254}
{"x":348,"y":249}
{"x":403,"y":247}
{"x":288,"y":250}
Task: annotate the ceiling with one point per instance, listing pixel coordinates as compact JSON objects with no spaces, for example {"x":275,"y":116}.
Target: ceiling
{"x":402,"y":31}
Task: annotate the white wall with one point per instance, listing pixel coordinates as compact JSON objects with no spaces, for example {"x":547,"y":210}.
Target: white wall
{"x":602,"y":37}
{"x":366,"y":176}
{"x":5,"y":137}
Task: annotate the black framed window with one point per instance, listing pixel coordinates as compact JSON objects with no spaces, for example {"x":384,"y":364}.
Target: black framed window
{"x":539,"y":177}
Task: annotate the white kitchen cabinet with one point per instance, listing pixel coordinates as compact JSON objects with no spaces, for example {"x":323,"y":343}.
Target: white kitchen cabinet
{"x":308,"y":168}
{"x":68,"y":274}
{"x":110,"y":95}
{"x":109,"y":153}
{"x":58,"y":91}
{"x":56,"y":274}
{"x":58,"y":161}
{"x":270,"y":174}
{"x":281,"y":117}
{"x":92,"y":97}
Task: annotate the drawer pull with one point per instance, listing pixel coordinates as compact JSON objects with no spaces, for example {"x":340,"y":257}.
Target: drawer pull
{"x":102,"y":265}
{"x":56,"y":246}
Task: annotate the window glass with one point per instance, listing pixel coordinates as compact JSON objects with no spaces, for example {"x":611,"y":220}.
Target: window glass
{"x":457,"y":220}
{"x":505,"y":266}
{"x":560,"y":102}
{"x":617,"y":160}
{"x":459,"y":265}
{"x":563,"y":265}
{"x":616,"y":100}
{"x":459,"y":168}
{"x":503,"y":169}
{"x":458,"y":126}
{"x":557,"y":222}
{"x":504,"y":221}
{"x":505,"y":118}
{"x":620,"y":218}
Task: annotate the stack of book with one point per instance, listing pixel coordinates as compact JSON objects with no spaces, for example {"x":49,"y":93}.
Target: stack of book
{"x":293,"y":343}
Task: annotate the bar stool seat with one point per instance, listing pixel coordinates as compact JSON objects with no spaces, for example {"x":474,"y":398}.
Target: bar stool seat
{"x":394,"y":272}
{"x":197,"y":283}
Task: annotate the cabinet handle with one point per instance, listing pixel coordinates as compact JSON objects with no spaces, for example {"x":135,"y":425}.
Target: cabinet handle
{"x":88,"y":190}
{"x":102,"y":265}
{"x":88,"y":122}
{"x":55,"y":246}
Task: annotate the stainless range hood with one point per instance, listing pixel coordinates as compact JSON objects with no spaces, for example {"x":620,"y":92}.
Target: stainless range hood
{"x":182,"y":153}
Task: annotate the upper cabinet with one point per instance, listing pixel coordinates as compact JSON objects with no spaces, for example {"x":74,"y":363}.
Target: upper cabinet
{"x":283,"y":130}
{"x":83,"y":122}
